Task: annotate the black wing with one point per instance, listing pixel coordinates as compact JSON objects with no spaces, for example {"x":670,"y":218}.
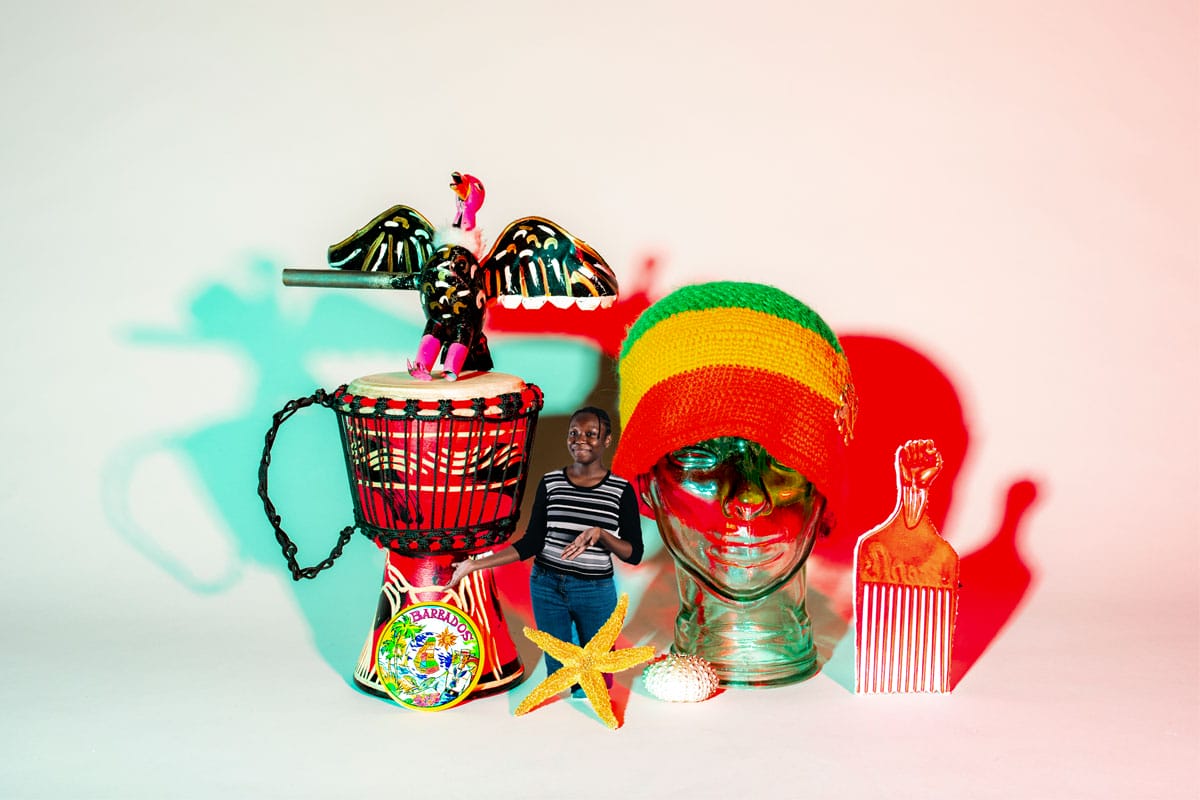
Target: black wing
{"x":399,"y":240}
{"x":534,"y":261}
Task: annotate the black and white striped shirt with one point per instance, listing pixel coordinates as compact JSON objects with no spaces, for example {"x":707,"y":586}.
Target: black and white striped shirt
{"x":562,"y":511}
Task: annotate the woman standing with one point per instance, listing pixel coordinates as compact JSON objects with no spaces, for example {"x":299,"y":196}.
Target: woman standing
{"x":582,"y":516}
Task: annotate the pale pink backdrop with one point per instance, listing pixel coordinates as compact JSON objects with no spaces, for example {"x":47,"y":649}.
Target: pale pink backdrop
{"x":1010,"y":189}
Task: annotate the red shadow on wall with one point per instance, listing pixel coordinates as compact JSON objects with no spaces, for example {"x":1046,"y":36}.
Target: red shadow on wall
{"x":996,"y":580}
{"x":903,"y":395}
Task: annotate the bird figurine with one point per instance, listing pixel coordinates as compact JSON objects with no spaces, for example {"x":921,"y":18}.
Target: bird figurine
{"x":533,"y":261}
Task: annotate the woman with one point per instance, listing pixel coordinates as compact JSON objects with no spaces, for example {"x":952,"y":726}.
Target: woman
{"x":582,"y":516}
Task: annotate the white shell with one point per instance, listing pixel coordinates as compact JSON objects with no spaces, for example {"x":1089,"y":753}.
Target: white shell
{"x":681,"y":679}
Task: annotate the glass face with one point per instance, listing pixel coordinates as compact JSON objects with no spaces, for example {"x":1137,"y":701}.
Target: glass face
{"x":735,"y":518}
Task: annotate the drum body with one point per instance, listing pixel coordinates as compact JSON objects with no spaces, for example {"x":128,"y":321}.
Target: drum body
{"x":437,"y":471}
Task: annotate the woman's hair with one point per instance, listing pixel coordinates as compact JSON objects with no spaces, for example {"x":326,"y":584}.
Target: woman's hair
{"x":600,"y":414}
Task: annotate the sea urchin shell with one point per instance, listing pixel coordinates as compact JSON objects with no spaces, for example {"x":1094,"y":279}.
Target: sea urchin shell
{"x":681,"y":679}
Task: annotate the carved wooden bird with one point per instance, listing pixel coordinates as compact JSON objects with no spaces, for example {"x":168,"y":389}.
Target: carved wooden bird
{"x":533,"y":261}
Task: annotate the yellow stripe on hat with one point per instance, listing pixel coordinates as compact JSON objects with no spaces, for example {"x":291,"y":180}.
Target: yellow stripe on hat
{"x":752,"y":339}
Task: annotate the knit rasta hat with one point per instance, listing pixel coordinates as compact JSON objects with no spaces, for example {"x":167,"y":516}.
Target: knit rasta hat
{"x":735,"y":359}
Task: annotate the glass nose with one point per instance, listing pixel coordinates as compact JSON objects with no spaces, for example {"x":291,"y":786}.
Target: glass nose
{"x":746,"y":496}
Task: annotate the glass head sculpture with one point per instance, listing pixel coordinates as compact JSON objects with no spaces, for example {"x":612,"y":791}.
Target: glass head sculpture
{"x":736,"y":407}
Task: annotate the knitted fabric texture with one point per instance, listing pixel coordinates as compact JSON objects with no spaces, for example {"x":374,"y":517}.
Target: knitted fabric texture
{"x":735,"y":359}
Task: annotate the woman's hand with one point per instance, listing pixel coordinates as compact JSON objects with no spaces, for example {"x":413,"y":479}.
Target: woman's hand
{"x":465,"y":567}
{"x":461,"y":570}
{"x":582,"y":542}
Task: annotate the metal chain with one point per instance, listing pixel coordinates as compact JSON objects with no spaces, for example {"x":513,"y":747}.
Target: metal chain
{"x":285,"y":543}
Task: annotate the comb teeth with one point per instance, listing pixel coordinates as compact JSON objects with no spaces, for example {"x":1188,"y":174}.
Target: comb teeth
{"x":904,"y":638}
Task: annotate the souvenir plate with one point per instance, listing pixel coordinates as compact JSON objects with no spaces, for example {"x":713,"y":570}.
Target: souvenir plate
{"x":428,"y":656}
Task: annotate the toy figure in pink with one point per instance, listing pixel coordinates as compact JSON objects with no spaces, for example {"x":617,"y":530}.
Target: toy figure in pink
{"x":469,"y":191}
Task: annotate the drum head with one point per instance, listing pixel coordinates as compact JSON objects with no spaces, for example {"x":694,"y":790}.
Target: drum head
{"x":429,"y":656}
{"x":402,"y":386}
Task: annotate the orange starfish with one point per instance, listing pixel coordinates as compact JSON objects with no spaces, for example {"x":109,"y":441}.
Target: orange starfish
{"x":586,"y":665}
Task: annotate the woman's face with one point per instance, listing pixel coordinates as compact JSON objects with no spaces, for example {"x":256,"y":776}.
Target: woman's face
{"x":587,"y":440}
{"x":731,"y":515}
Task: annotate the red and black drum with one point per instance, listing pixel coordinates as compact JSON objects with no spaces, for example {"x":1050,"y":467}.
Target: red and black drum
{"x":437,"y":471}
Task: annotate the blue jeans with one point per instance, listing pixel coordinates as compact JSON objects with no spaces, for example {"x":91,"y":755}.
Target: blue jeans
{"x":564,"y":602}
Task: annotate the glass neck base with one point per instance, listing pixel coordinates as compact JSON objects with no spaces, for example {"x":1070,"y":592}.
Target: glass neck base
{"x":765,"y":642}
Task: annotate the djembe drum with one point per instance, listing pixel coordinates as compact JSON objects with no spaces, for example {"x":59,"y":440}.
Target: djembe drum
{"x":437,"y":471}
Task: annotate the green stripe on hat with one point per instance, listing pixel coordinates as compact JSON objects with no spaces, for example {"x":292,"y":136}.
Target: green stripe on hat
{"x":730,"y":294}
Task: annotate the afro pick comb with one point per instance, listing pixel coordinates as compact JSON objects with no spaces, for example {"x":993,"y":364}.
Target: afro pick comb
{"x":905,"y":589}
